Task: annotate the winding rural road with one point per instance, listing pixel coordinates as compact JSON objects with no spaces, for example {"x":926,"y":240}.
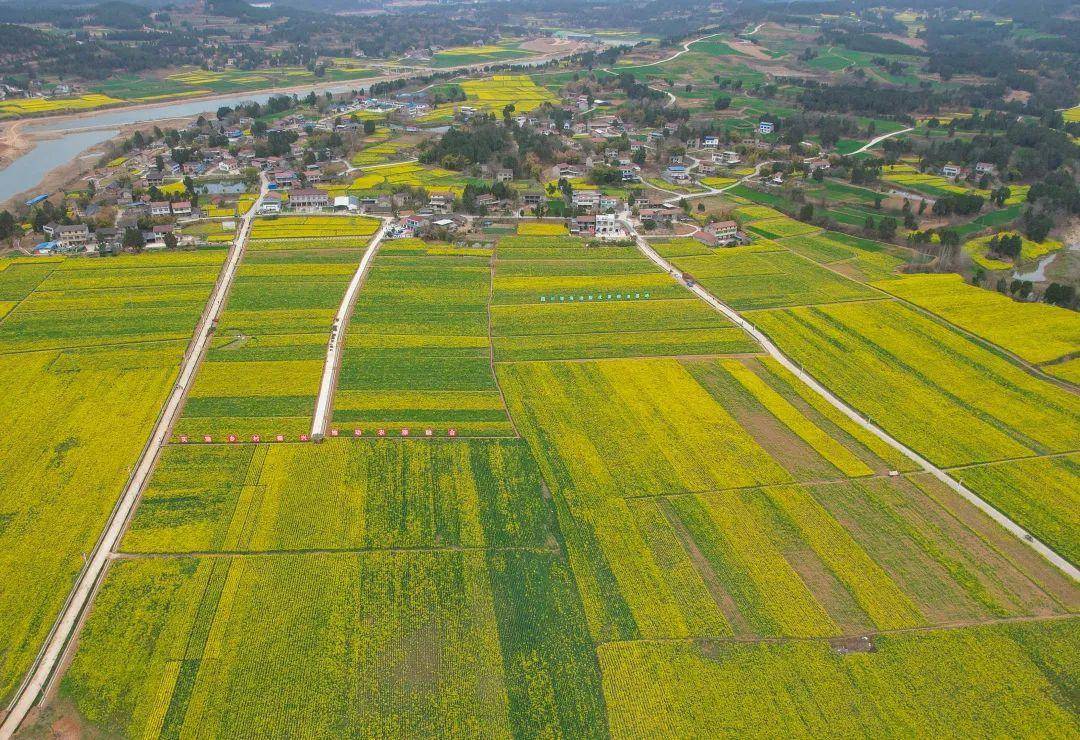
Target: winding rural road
{"x":877,"y":140}
{"x":324,"y":402}
{"x":1045,"y":551}
{"x":38,"y":677}
{"x":676,"y":55}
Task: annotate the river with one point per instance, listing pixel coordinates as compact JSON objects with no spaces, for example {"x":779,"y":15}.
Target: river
{"x":57,"y":141}
{"x":68,"y":136}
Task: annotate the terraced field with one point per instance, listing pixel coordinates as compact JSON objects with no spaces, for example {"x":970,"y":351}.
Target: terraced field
{"x":88,"y":352}
{"x":417,"y":353}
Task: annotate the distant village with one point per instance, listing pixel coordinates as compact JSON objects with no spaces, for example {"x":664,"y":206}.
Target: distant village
{"x":187,"y":187}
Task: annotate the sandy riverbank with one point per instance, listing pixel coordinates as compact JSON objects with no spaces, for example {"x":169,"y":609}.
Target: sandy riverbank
{"x":13,"y":142}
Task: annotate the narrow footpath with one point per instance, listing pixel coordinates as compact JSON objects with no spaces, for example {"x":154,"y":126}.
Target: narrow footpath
{"x":1044,"y":550}
{"x":49,"y":658}
{"x":324,"y":403}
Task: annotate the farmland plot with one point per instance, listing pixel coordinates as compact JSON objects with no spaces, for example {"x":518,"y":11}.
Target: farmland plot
{"x":862,"y":259}
{"x":1036,"y":332}
{"x":676,"y":490}
{"x":1041,"y":494}
{"x":79,"y":409}
{"x":391,"y":643}
{"x":360,"y":494}
{"x":974,"y":681}
{"x":936,"y":391}
{"x":261,"y":373}
{"x":767,"y":276}
{"x":572,"y":302}
{"x":417,"y":352}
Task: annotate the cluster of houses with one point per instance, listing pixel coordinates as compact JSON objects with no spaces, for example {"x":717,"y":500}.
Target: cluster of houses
{"x":955,"y":172}
{"x":591,"y":141}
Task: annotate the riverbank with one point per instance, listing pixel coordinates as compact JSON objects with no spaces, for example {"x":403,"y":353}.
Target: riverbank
{"x":13,"y":142}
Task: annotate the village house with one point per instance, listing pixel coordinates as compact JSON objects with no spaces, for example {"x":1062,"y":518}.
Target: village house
{"x":441,"y":202}
{"x":608,"y":227}
{"x":662,"y":216}
{"x":308,"y":198}
{"x":181,"y":208}
{"x":109,"y":241}
{"x":72,"y":235}
{"x":412,"y":225}
{"x":608,"y":202}
{"x":950,"y":170}
{"x":346,"y":203}
{"x":710,"y":142}
{"x":532,"y":197}
{"x":676,"y":174}
{"x":583,"y":225}
{"x":487,"y":200}
{"x":725,"y":232}
{"x":985,"y":168}
{"x":271,"y":203}
{"x":766,"y":127}
{"x":586,"y":198}
{"x":285,"y":178}
{"x":563,"y":170}
{"x":160,"y":208}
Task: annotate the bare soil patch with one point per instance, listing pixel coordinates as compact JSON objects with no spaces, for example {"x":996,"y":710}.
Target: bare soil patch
{"x":750,"y":50}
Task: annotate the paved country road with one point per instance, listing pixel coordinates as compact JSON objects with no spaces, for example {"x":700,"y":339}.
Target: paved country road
{"x":878,"y":140}
{"x":325,"y":400}
{"x":49,"y":658}
{"x":736,"y":318}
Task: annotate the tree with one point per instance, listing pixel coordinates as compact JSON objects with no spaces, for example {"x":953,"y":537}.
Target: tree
{"x":1037,"y":226}
{"x":369,"y":127}
{"x":7,"y":225}
{"x":887,"y":227}
{"x":806,"y":213}
{"x":133,"y":239}
{"x":1060,"y":295}
{"x":170,"y":240}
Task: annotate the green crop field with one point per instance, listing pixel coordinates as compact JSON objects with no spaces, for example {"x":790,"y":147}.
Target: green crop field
{"x":417,"y":350}
{"x":261,"y":374}
{"x":88,"y":353}
{"x":861,"y":259}
{"x":765,"y":275}
{"x":575,"y":302}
